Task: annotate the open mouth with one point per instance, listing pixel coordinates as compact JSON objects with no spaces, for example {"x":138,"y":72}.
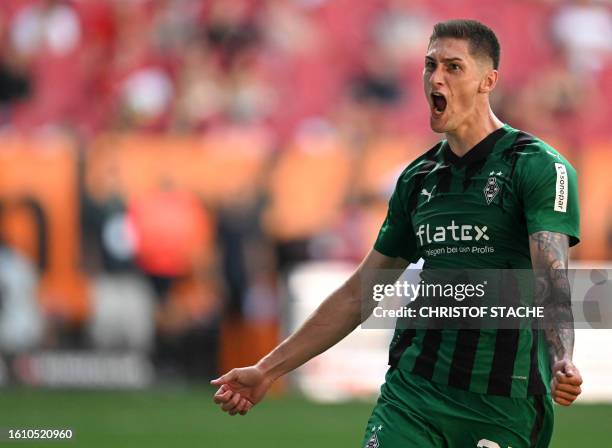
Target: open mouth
{"x":439,"y":102}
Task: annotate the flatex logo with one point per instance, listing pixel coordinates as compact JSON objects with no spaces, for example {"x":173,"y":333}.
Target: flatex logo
{"x":452,"y":232}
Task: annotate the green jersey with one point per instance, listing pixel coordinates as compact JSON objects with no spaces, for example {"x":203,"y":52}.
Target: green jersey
{"x":477,"y":212}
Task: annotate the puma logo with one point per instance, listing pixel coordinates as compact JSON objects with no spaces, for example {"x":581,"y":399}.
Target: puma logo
{"x":424,"y":192}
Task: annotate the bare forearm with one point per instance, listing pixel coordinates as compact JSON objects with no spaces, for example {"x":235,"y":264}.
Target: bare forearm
{"x":559,"y":329}
{"x":333,"y":320}
{"x":549,"y":256}
{"x":560,"y":344}
{"x":559,"y":325}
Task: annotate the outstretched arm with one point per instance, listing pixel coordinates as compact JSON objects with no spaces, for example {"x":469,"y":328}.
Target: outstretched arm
{"x":549,"y":256}
{"x":332,"y":321}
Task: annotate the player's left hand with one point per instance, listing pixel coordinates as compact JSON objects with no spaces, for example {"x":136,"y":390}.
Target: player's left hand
{"x":566,"y":382}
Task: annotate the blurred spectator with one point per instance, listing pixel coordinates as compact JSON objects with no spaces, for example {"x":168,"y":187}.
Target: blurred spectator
{"x":14,"y":79}
{"x":175,"y":23}
{"x":302,"y":65}
{"x":379,"y":82}
{"x":14,"y":86}
{"x":201,"y":95}
{"x":47,"y":36}
{"x":49,"y":25}
{"x":109,"y":239}
{"x":584,"y":29}
{"x":402,"y":29}
{"x":172,"y":230}
{"x":551,"y":103}
{"x":231,"y":28}
{"x":21,"y":320}
{"x":146,"y":96}
{"x":247,"y":259}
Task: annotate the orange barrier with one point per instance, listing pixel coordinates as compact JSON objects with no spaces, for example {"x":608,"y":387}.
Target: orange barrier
{"x":307,"y":187}
{"x":38,"y":190}
{"x":219,"y":166}
{"x":244,"y":343}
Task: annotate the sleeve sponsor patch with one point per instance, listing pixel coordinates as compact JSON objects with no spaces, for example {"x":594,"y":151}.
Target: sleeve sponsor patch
{"x":561,"y":188}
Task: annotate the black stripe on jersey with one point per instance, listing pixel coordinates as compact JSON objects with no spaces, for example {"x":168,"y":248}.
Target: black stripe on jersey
{"x":426,"y":361}
{"x":444,"y":178}
{"x":463,"y":358}
{"x":471,"y":170}
{"x":536,"y":384}
{"x":522,"y":140}
{"x":404,"y":341}
{"x":473,"y":160}
{"x":506,"y":347}
{"x":506,"y":343}
{"x":480,"y":151}
{"x":476,"y":165}
{"x":539,"y":421}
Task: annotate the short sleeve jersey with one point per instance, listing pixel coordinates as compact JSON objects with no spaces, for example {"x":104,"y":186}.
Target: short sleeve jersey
{"x":477,"y":212}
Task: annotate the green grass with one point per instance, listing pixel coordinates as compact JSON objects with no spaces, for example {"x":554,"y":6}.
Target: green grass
{"x":172,"y":417}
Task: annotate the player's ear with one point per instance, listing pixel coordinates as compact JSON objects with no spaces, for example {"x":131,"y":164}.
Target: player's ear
{"x":488,"y":81}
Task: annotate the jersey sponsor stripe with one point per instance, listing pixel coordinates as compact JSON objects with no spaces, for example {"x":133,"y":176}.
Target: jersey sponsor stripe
{"x":426,"y":361}
{"x":500,"y":378}
{"x":463,"y":358}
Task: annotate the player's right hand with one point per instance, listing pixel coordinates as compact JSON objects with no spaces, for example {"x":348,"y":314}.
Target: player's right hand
{"x":565,"y":383}
{"x":240,"y":389}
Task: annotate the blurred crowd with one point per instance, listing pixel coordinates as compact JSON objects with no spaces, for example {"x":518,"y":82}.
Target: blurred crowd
{"x":289,"y":77}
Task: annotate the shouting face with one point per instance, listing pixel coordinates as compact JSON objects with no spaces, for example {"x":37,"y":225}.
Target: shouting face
{"x":456,"y":83}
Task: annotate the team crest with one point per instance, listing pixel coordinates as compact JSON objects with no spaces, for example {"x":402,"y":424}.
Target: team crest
{"x":373,"y":442}
{"x":491,"y":189}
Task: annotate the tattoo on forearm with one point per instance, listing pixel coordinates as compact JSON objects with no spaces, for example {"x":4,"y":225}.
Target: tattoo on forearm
{"x":549,"y":256}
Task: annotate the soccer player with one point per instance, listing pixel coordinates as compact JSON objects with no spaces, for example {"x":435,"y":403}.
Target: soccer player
{"x":505,"y":200}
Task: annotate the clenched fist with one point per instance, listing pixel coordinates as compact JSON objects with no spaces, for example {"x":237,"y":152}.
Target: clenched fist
{"x":566,"y":382}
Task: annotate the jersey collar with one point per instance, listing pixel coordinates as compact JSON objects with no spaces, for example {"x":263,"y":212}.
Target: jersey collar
{"x":477,"y":153}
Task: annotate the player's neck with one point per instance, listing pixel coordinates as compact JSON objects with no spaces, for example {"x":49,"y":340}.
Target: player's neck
{"x":472,"y":131}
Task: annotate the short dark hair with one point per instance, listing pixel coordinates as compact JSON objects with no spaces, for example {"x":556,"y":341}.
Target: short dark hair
{"x":481,"y":38}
